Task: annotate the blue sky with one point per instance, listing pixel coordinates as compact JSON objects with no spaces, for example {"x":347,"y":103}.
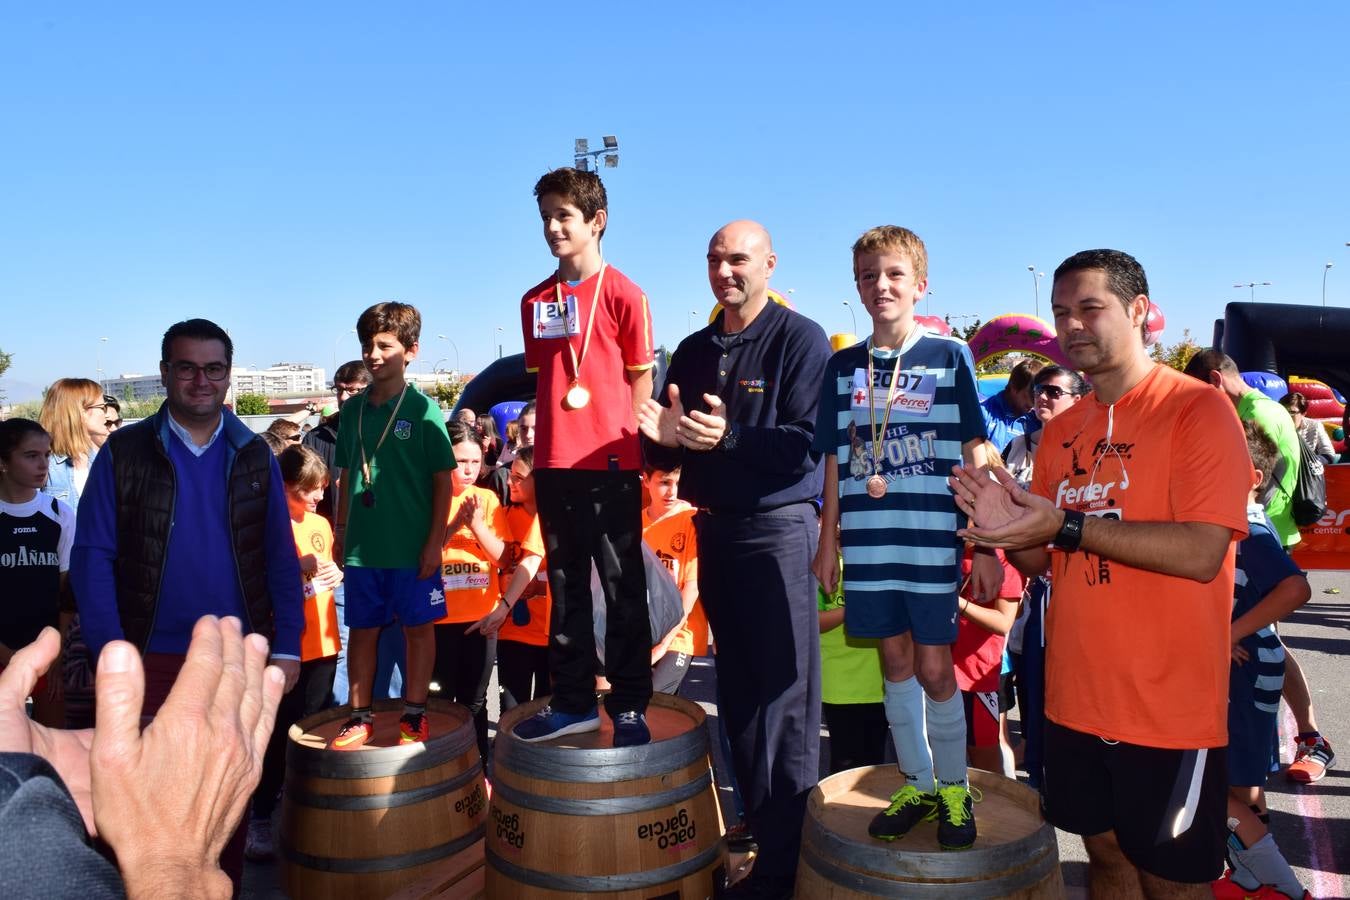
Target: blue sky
{"x":279,"y":167}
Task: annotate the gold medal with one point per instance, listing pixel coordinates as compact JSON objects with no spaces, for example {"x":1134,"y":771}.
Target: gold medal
{"x":876,"y":487}
{"x":576,"y":397}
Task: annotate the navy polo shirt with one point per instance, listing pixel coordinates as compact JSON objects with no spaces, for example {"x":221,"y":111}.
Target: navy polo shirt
{"x":769,"y":377}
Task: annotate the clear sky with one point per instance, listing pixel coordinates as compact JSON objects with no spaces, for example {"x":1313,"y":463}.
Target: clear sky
{"x":279,"y":167}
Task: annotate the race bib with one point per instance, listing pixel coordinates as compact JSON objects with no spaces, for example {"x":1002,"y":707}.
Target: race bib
{"x":556,"y":320}
{"x":463,"y":577}
{"x":912,"y":394}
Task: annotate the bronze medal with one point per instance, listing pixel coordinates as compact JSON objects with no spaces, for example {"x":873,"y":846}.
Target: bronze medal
{"x":576,"y":397}
{"x":876,"y":487}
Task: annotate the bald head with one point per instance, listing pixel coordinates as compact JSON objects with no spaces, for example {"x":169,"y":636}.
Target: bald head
{"x":740,"y":262}
{"x":745,"y":230}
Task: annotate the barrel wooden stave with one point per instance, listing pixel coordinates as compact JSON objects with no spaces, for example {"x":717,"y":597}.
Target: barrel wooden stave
{"x":365,"y":823}
{"x":565,"y":822}
{"x":1015,"y":855}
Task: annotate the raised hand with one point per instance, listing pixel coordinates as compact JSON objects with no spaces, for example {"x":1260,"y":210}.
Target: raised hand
{"x":659,"y":423}
{"x":703,"y":430}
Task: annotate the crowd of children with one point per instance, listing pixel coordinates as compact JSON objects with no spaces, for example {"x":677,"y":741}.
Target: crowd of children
{"x":481,"y":550}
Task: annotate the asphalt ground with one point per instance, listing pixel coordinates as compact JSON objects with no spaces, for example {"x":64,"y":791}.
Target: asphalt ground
{"x":1311,"y":823}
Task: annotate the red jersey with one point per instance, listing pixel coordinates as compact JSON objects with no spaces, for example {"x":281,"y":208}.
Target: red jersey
{"x":977,"y":655}
{"x":602,"y":435}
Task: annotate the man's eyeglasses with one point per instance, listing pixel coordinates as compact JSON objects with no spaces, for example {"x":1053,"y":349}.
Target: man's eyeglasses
{"x":186,"y":371}
{"x":350,"y":390}
{"x":113,"y":424}
{"x":1049,"y":391}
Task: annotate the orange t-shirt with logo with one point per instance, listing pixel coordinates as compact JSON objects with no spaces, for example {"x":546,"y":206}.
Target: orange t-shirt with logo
{"x":468,"y":582}
{"x":520,"y":532}
{"x":314,"y":544}
{"x":672,"y":539}
{"x":1134,"y":655}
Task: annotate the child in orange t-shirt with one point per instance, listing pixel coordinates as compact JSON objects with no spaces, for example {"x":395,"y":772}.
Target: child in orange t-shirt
{"x":521,"y":619}
{"x":668,"y":529}
{"x":469,"y":553}
{"x":306,"y":476}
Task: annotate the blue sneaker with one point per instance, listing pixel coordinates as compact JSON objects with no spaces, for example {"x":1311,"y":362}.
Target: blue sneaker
{"x":630,"y":729}
{"x":548,"y":723}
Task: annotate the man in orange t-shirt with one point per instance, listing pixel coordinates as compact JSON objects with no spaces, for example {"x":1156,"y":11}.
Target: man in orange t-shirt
{"x":1141,"y":490}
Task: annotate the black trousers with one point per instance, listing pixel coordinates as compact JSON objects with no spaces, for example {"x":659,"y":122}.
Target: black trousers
{"x":591,"y":516}
{"x":463,"y":669}
{"x":522,"y":672}
{"x":313,"y":692}
{"x":859,"y":734}
{"x":754,"y":577}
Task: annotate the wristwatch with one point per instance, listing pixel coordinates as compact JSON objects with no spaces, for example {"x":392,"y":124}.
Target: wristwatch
{"x":1071,"y":532}
{"x":730,"y":438}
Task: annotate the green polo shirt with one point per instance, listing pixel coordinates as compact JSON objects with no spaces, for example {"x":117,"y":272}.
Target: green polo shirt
{"x":1274,"y":420}
{"x":391,"y":534}
{"x":850,"y":667}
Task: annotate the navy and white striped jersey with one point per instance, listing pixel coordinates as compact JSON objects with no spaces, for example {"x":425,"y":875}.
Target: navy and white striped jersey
{"x":1261,"y":565}
{"x":905,"y":540}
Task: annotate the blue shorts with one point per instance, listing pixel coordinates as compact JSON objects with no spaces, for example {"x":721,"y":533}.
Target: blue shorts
{"x":376,"y":597}
{"x":1251,"y":749}
{"x":882,"y":614}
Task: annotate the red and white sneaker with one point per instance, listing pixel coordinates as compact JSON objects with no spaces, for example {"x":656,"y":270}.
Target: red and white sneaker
{"x":1311,"y":761}
{"x":353,"y":735}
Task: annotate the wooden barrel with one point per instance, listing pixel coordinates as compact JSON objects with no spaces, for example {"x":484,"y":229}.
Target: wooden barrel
{"x":363,"y":823}
{"x":574,"y":817}
{"x":1015,"y":854}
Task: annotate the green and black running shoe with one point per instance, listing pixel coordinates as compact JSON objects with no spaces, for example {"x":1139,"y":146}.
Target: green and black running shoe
{"x":955,"y":818}
{"x":909,"y":806}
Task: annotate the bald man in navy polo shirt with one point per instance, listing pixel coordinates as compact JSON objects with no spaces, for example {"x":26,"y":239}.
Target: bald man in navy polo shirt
{"x":738,"y":414}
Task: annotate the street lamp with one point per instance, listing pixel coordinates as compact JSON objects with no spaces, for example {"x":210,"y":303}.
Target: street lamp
{"x":689,"y":322}
{"x":456,"y":349}
{"x":1325,"y":270}
{"x":1252,"y":286}
{"x":852,"y":318}
{"x":928,"y":302}
{"x":335,"y":346}
{"x":1036,"y":287}
{"x":98,"y":362}
{"x":584,"y":158}
{"x":499,"y":341}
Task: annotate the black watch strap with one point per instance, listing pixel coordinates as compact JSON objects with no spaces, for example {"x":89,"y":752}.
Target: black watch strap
{"x":1071,"y":532}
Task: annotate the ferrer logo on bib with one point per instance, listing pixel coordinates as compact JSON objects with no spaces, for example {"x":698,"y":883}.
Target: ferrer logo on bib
{"x":403,"y":429}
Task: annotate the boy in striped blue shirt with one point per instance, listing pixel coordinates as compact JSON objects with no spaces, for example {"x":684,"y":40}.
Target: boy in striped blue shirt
{"x":1267,"y":588}
{"x":896,"y":412}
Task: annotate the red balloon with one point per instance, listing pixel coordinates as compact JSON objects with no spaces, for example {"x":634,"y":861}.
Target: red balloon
{"x":1153,"y":325}
{"x":934,"y":323}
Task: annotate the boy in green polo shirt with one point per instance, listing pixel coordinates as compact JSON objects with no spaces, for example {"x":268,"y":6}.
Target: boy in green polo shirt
{"x":394,"y":463}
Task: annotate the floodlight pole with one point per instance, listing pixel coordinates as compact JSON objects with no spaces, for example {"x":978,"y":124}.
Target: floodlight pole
{"x":1252,"y":286}
{"x":586,"y":159}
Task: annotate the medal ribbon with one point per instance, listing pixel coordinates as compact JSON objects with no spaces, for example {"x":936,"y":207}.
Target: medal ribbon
{"x":361,"y":435}
{"x":890,"y":398}
{"x":590,"y":325}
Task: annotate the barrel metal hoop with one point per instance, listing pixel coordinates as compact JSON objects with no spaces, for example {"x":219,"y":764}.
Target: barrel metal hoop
{"x":379,"y":762}
{"x":351,"y":802}
{"x":598,"y":765}
{"x":606,"y":806}
{"x":863,"y":882}
{"x":594,"y":884}
{"x":382,"y":863}
{"x":936,"y":865}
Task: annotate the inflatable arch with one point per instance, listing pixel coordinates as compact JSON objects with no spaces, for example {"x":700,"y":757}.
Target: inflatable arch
{"x":1017,"y":332}
{"x":506,"y":379}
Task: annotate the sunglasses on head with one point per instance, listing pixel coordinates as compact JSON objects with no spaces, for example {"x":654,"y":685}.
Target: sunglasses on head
{"x":1050,"y":391}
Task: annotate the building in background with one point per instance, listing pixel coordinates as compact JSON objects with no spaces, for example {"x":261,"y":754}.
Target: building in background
{"x":275,"y":380}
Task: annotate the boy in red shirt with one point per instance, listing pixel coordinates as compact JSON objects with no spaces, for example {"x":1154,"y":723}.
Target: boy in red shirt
{"x":588,"y":334}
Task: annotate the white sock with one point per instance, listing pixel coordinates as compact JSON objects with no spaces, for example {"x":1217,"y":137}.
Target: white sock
{"x":1263,"y":863}
{"x":947,"y":737}
{"x":904,"y":712}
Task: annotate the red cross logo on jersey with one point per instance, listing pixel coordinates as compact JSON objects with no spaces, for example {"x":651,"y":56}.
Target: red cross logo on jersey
{"x":859,"y":395}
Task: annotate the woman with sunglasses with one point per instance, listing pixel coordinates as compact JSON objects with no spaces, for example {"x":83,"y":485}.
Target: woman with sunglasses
{"x":75,"y":414}
{"x":1053,"y":390}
